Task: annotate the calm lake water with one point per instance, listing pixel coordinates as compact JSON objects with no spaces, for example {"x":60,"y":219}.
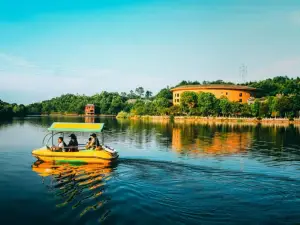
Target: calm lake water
{"x":167,"y":174}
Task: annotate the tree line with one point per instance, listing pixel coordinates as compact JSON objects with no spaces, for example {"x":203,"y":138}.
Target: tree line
{"x":144,"y":103}
{"x":206,"y":104}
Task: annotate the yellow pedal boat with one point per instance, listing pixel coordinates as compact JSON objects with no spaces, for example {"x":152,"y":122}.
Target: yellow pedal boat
{"x":102,"y":154}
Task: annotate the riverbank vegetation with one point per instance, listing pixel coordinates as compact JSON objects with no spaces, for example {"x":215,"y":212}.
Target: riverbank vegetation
{"x":277,"y":97}
{"x":8,"y":111}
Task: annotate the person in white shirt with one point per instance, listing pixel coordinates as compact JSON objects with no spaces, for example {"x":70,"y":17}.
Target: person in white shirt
{"x":61,"y":145}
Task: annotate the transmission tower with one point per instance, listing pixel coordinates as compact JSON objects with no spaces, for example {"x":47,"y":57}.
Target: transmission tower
{"x":243,"y":73}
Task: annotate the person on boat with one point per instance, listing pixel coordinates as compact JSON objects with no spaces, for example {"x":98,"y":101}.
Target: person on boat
{"x":61,"y":145}
{"x":88,"y":144}
{"x":94,"y":143}
{"x":73,"y":144}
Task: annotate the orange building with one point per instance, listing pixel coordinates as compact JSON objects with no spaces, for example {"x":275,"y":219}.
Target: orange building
{"x":235,"y":93}
{"x":89,"y":110}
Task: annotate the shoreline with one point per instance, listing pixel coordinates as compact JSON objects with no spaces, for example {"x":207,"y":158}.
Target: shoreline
{"x":190,"y":119}
{"x":217,"y":120}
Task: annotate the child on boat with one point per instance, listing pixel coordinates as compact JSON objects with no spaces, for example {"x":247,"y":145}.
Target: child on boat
{"x":88,"y":144}
{"x":93,"y":142}
{"x":61,"y":145}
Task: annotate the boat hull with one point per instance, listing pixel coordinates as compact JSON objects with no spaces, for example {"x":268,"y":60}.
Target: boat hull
{"x":85,"y":156}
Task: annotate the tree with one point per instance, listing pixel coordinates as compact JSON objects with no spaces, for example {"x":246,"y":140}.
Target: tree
{"x":208,"y":104}
{"x":164,"y":93}
{"x":188,"y":100}
{"x":236,"y":108}
{"x":216,"y":82}
{"x":148,"y":94}
{"x":264,"y":109}
{"x":175,"y":110}
{"x":255,"y":108}
{"x":245,"y":110}
{"x":140,"y":91}
{"x":138,"y":108}
{"x":295,"y":99}
{"x":19,"y":110}
{"x":6,"y":110}
{"x":271,"y":101}
{"x":283,"y":106}
{"x":161,"y":104}
{"x":132,"y":95}
{"x":123,"y":94}
{"x":225,"y":106}
{"x":182,"y":83}
{"x":116,"y":105}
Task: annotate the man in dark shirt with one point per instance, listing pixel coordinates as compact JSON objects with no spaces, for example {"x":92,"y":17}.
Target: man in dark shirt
{"x":73,"y":144}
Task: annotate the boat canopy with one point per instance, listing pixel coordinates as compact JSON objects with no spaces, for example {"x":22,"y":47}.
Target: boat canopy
{"x":77,"y":127}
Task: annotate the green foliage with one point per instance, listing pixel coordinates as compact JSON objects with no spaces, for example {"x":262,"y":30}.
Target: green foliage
{"x":161,"y":105}
{"x":255,"y":108}
{"x":132,"y":95}
{"x":140,"y":91}
{"x":287,"y":104}
{"x":277,"y":85}
{"x":8,"y":111}
{"x":188,"y":100}
{"x":216,"y":82}
{"x":148,"y":94}
{"x":284,"y":106}
{"x":245,"y":110}
{"x":225,"y":106}
{"x":236,"y":108}
{"x":208,"y":104}
{"x":123,"y":115}
{"x":175,"y":110}
{"x":34,"y":109}
{"x":182,"y":83}
{"x":138,"y":108}
{"x":264,"y":110}
{"x":164,"y":93}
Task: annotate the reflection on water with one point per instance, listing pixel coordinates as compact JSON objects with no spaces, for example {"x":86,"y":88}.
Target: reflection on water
{"x":89,"y":119}
{"x":167,"y":174}
{"x":77,"y":188}
{"x":218,"y":143}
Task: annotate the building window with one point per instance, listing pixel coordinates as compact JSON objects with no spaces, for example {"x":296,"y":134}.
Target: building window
{"x":241,"y":94}
{"x":241,"y":100}
{"x":226,"y":93}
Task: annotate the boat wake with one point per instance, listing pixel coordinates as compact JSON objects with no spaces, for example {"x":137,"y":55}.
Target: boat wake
{"x":163,"y":192}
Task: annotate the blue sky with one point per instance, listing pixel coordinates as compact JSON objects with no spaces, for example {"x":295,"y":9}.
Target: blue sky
{"x":48,"y":48}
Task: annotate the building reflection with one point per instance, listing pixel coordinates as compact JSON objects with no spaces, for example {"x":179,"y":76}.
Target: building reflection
{"x":78,"y":187}
{"x":216,"y":142}
{"x":89,"y":119}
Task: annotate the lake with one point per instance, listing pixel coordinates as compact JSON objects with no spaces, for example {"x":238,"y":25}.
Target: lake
{"x":166,"y":174}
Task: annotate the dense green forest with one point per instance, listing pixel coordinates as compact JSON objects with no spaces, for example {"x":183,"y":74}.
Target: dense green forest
{"x":9,"y":110}
{"x":141,"y":102}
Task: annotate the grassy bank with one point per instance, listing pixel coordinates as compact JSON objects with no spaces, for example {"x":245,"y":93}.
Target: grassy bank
{"x":218,"y":120}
